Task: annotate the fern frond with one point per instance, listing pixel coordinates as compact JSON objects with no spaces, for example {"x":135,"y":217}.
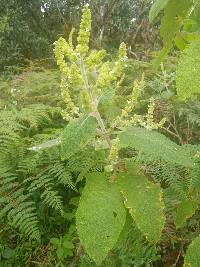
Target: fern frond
{"x":52,"y":199}
{"x":155,"y":146}
{"x":20,"y":211}
{"x":172,"y":176}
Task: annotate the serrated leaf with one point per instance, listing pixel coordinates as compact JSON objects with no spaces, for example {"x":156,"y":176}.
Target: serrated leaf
{"x":155,"y":146}
{"x":192,"y":258}
{"x":156,"y":8}
{"x":144,"y":201}
{"x":187,"y":74}
{"x":100,"y":217}
{"x":77,"y":135}
{"x":184,"y":211}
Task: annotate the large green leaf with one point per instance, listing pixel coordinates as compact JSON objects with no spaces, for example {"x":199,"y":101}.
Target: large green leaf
{"x":100,"y":216}
{"x":184,"y":211}
{"x":76,"y":135}
{"x":187,"y":74}
{"x":155,"y":146}
{"x":171,"y":23}
{"x":144,"y":201}
{"x":156,"y":8}
{"x":192,"y":258}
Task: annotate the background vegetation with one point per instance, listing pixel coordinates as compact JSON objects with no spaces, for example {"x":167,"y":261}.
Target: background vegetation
{"x":40,"y":189}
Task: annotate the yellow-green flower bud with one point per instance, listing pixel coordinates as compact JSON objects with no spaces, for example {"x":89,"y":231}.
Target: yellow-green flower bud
{"x":150,"y":119}
{"x":74,"y":75}
{"x":114,"y":151}
{"x":62,"y":50}
{"x":124,"y":119}
{"x":104,"y":75}
{"x":121,"y":63}
{"x":71,"y":109}
{"x":95,"y":58}
{"x":84,"y":32}
{"x":150,"y":113}
{"x":138,"y":120}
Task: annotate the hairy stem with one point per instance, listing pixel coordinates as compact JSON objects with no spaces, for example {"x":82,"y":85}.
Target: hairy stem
{"x":94,"y":102}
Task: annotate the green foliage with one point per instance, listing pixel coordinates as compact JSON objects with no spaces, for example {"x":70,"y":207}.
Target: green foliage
{"x":64,"y":246}
{"x":187,"y":74}
{"x":144,"y":201}
{"x":92,"y":78}
{"x":133,"y":248}
{"x":100,"y":216}
{"x":183,"y":211}
{"x":174,"y":24}
{"x":170,"y":24}
{"x":157,"y":6}
{"x":192,"y":257}
{"x":195,"y":174}
{"x":18,"y":207}
{"x":81,"y":130}
{"x":30,"y":180}
{"x":85,"y":144}
{"x":155,"y":146}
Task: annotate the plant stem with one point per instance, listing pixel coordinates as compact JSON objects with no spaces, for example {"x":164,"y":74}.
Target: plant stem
{"x":94,"y":102}
{"x":103,"y":128}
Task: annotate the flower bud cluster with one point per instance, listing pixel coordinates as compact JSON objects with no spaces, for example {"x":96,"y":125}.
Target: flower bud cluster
{"x":113,"y":156}
{"x":127,"y":119}
{"x":84,"y":32}
{"x":150,"y":124}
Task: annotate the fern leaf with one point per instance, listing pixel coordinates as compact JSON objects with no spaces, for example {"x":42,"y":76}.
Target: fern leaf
{"x":155,"y":146}
{"x":100,"y":216}
{"x":45,"y":181}
{"x":195,"y":176}
{"x":175,"y":177}
{"x":21,"y":213}
{"x":52,"y":199}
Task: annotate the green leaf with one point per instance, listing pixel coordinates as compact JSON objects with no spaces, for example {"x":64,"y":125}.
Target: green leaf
{"x":158,"y":6}
{"x":8,"y":253}
{"x":77,"y":135}
{"x":144,"y":201}
{"x":100,"y":216}
{"x":68,"y":244}
{"x":187,"y":74}
{"x":60,"y":253}
{"x":55,"y":241}
{"x":171,"y":23}
{"x":192,"y":258}
{"x":184,"y":211}
{"x":155,"y":146}
{"x":180,"y":42}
